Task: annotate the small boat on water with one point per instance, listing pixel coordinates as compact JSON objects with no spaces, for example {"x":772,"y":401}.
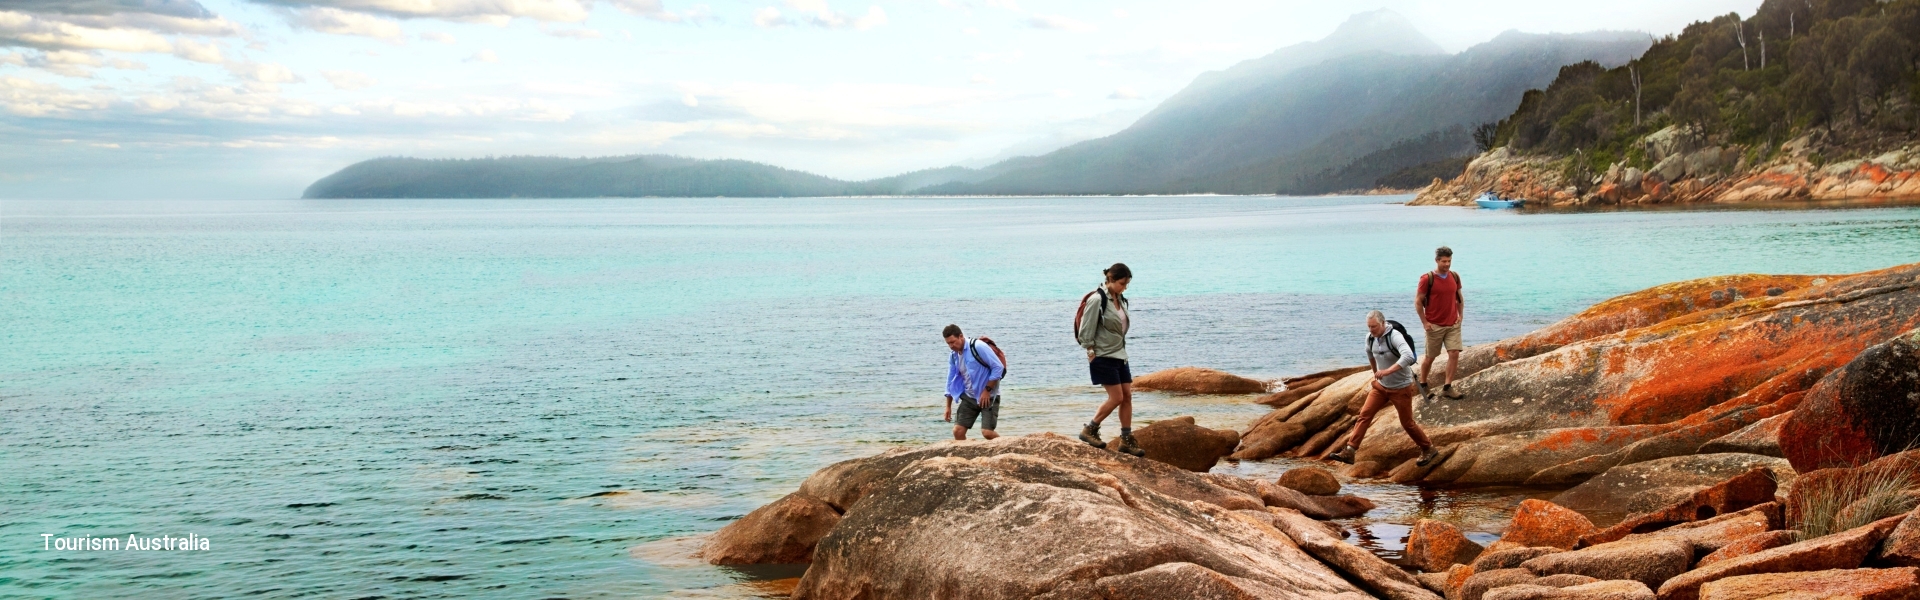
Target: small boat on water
{"x":1489,"y":200}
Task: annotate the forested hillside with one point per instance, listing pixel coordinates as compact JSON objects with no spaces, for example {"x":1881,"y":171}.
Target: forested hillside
{"x":547,"y":177}
{"x":1843,"y":68}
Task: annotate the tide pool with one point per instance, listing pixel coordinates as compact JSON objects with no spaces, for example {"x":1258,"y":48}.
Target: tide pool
{"x":546,"y":398}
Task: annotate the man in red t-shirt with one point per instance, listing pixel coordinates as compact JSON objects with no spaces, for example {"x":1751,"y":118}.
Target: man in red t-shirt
{"x":1440,"y":307}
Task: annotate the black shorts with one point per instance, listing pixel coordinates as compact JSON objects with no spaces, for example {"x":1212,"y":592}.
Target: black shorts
{"x":1109,"y":371}
{"x":969,"y":410}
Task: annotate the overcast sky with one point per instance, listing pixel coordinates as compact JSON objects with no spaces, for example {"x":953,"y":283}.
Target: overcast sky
{"x":256,"y":99}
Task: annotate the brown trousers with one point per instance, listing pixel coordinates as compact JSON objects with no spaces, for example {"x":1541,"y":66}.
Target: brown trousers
{"x":1377,"y":398}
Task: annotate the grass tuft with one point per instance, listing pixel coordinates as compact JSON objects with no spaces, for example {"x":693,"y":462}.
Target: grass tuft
{"x":1844,"y":503}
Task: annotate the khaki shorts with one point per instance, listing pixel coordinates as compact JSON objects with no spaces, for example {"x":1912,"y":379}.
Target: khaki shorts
{"x":1439,"y":338}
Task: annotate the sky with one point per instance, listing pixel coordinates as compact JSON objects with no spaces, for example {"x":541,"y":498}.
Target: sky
{"x":241,"y":99}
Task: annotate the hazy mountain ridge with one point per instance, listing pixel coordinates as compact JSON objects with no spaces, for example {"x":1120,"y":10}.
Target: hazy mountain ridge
{"x":1314,"y":117}
{"x":1278,"y":132}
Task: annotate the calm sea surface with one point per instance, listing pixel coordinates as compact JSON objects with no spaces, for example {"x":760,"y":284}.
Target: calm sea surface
{"x":413,"y":399}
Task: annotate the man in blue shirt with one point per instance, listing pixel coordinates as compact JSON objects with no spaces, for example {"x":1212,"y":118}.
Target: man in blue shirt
{"x":973,"y":372}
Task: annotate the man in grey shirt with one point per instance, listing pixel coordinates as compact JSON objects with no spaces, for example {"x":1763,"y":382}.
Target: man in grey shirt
{"x":1390,"y":350}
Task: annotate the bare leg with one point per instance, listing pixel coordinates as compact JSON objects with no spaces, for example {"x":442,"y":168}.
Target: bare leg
{"x":1453,"y":364}
{"x":1115,"y":396}
{"x":1375,"y":402}
{"x":989,"y":434}
{"x":960,"y":433}
{"x":1426,"y":367}
{"x":1126,"y":406}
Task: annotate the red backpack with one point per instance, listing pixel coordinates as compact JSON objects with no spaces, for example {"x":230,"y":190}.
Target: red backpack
{"x":996,"y":352}
{"x":1082,"y":311}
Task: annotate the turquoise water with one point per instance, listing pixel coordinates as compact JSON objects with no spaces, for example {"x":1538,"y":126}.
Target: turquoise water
{"x":423,"y":398}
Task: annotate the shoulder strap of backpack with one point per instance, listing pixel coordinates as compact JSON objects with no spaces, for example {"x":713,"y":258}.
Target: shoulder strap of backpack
{"x":1102,"y":291}
{"x":997,"y":353}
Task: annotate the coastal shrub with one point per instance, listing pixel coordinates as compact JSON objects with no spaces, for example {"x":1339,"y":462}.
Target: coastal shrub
{"x":1834,"y":505}
{"x":1795,"y":65}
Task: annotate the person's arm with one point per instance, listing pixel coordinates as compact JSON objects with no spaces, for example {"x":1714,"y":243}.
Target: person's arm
{"x":995,"y":372}
{"x":1406,"y":352}
{"x":1420,"y":302}
{"x":1090,"y":323}
{"x":1459,"y":300}
{"x":955,"y":386}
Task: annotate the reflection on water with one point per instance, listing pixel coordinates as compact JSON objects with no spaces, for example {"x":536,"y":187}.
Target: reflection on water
{"x":1481,"y":514}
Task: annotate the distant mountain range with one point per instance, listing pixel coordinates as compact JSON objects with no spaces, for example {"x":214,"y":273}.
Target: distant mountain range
{"x":1373,"y":101}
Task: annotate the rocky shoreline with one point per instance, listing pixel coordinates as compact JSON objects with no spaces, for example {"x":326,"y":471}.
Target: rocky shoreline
{"x":1739,"y":437}
{"x":1680,"y":169}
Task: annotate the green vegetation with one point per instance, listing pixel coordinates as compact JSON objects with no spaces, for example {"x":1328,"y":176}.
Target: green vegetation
{"x":1419,"y":176}
{"x":1837,"y":504}
{"x":1451,"y":145}
{"x":1843,"y":66}
{"x":547,"y":177}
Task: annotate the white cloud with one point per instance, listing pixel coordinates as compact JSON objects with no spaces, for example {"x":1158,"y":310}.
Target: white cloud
{"x":28,"y":98}
{"x":70,"y":62}
{"x":438,"y":36}
{"x":65,"y":62}
{"x":690,"y":100}
{"x":874,"y":18}
{"x":493,"y":12}
{"x":22,"y":29}
{"x":208,"y":52}
{"x":263,"y":72}
{"x":486,"y":56}
{"x":1060,"y":23}
{"x":343,"y":22}
{"x":982,"y":79}
{"x":349,"y":80}
{"x":1121,"y":13}
{"x":819,"y":14}
{"x":970,"y":31}
{"x":769,"y":18}
{"x":1124,"y":93}
{"x":653,"y":9}
{"x":575,"y":33}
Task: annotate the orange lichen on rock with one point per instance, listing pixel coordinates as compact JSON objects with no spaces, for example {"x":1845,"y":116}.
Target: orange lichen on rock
{"x":1752,"y":349}
{"x":1543,"y":523}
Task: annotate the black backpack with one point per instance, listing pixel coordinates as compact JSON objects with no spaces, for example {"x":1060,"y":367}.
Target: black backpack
{"x":1394,"y":326}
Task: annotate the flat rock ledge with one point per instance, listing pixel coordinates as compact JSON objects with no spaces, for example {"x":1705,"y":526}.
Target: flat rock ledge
{"x":1043,"y":516}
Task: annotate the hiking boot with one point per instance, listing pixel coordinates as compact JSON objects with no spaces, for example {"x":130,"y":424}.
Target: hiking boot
{"x":1423,"y":388}
{"x":1451,"y":393}
{"x":1345,"y":455}
{"x":1091,"y":435}
{"x":1426,"y":458}
{"x":1129,"y":446}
